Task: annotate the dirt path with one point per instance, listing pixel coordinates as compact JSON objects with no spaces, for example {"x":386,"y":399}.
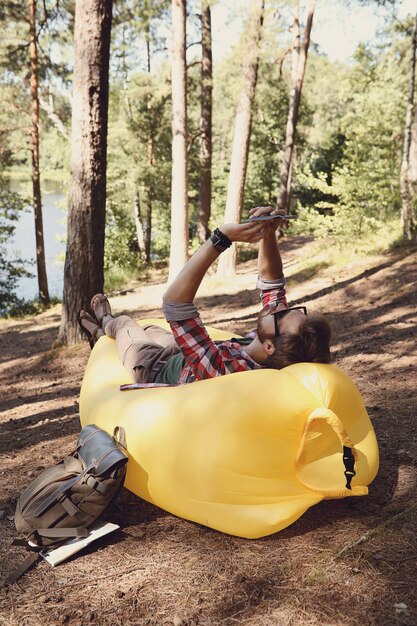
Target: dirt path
{"x":163,"y":570}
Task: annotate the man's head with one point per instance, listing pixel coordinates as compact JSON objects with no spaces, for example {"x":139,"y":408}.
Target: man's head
{"x":291,"y":336}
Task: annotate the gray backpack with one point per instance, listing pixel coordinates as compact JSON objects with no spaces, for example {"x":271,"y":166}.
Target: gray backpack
{"x":64,"y":500}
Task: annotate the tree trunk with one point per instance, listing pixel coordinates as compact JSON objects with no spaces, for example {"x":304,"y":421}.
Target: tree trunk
{"x":148,"y":230}
{"x":148,"y":236}
{"x":407,"y":211}
{"x":36,"y":180}
{"x":179,"y":183}
{"x":83,"y":271}
{"x":139,"y":224}
{"x":242,"y":130}
{"x":297,"y":78}
{"x":204,"y":205}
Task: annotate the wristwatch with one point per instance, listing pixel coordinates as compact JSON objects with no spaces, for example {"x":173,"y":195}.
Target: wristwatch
{"x":220,"y":241}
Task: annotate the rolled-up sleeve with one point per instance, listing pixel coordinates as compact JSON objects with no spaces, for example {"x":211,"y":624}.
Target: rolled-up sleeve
{"x":178,"y":312}
{"x":272,"y":291}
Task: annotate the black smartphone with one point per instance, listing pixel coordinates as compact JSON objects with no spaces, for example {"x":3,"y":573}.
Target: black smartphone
{"x":262,"y":218}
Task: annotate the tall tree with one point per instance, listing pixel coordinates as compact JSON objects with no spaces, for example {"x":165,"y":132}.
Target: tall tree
{"x":299,"y":62}
{"x":179,"y":184}
{"x":242,"y":131}
{"x":36,"y":178}
{"x":136,"y":24}
{"x":407,"y":173}
{"x":204,"y":204}
{"x":150,"y":152}
{"x":83,"y":271}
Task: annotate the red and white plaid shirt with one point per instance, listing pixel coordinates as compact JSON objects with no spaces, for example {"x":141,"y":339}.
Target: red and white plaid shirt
{"x":206,"y":358}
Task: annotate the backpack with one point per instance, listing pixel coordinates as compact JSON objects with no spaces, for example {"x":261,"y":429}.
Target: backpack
{"x":64,"y":500}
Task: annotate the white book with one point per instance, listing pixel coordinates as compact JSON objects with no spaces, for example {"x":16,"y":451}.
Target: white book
{"x":54,"y":556}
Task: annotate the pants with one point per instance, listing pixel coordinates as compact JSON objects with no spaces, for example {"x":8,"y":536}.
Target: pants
{"x":143,"y":350}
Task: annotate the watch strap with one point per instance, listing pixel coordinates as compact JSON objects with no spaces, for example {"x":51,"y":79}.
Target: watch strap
{"x":220,"y":241}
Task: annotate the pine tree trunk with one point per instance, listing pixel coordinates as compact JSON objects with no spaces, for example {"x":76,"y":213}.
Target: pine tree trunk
{"x":36,"y":180}
{"x":148,"y":230}
{"x":242,"y":130}
{"x":150,"y":186}
{"x":407,"y":212}
{"x":139,"y":224}
{"x":297,"y":79}
{"x":83,"y":271}
{"x":179,"y":183}
{"x":204,"y":206}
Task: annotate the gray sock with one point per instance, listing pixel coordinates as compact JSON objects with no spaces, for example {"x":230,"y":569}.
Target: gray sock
{"x":105,"y":320}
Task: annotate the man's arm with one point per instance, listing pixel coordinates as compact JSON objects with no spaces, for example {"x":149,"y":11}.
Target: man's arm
{"x":269,"y":257}
{"x":271,"y":279}
{"x":184,"y":288}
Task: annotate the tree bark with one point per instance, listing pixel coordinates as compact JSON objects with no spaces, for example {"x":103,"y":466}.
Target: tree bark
{"x":407,"y":211}
{"x":139,"y":224}
{"x":179,"y":182}
{"x":242,"y":130}
{"x":84,"y":261}
{"x":297,"y":78}
{"x":204,"y":205}
{"x":36,"y":180}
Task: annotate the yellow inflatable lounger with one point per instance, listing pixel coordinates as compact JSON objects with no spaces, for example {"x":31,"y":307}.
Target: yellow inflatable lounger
{"x":247,"y":453}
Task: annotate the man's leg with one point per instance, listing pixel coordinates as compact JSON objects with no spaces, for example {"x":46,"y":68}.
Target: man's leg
{"x":140,"y":354}
{"x":143,"y":351}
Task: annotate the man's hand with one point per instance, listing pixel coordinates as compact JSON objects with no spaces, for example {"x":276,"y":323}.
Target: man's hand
{"x":249,"y":232}
{"x":270,"y":225}
{"x":269,"y":258}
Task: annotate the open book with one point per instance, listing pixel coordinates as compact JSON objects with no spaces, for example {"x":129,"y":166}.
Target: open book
{"x":54,"y":556}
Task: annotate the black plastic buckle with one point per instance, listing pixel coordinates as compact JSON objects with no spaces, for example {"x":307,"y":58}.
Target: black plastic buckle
{"x":349,"y":463}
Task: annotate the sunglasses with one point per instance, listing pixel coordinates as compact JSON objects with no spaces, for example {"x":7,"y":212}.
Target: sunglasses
{"x":278,"y":315}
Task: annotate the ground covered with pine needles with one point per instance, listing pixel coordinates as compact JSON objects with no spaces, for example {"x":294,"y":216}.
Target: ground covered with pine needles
{"x":344,"y":562}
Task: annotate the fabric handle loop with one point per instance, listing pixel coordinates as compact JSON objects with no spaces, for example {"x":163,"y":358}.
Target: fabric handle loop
{"x":350,"y":454}
{"x":120,"y":436}
{"x":334,"y":422}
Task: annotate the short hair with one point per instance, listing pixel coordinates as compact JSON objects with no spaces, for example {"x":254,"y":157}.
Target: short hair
{"x":310,"y":345}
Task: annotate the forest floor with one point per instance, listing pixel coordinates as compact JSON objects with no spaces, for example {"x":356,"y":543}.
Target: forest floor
{"x":344,"y":562}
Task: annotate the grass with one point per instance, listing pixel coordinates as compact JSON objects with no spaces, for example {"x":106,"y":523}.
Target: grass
{"x":339,"y":254}
{"x":27,"y":308}
{"x":117,"y":278}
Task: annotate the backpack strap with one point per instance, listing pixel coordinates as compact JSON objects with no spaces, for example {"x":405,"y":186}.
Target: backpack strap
{"x":62,"y":532}
{"x":29,"y":561}
{"x":35,"y":554}
{"x":44,"y":506}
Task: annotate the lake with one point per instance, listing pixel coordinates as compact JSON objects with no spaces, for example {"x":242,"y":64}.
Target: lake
{"x":24,"y":245}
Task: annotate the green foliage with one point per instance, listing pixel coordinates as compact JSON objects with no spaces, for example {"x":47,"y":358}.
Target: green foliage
{"x":121,"y":247}
{"x":11,"y":269}
{"x":349,"y":135}
{"x":267,"y":137}
{"x":347,"y":180}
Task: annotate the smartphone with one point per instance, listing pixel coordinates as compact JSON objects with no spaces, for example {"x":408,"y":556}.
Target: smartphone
{"x":262,"y":218}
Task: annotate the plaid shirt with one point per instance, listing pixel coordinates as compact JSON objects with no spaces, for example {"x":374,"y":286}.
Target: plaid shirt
{"x":205,"y":358}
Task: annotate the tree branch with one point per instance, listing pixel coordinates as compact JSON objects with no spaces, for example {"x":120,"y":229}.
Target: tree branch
{"x":48,"y":107}
{"x":194,"y":43}
{"x":280,"y":60}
